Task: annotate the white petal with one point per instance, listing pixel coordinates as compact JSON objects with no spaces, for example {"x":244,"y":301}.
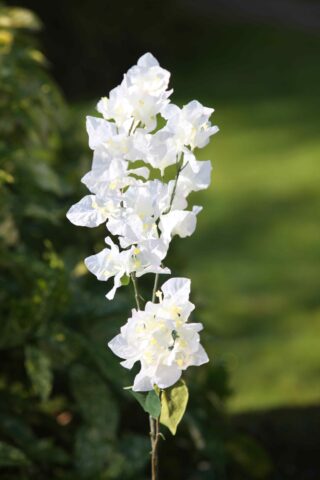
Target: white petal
{"x":170,"y":110}
{"x":99,"y":130}
{"x":128,"y":363}
{"x":200,"y":357}
{"x":120,"y":347}
{"x":166,"y":376}
{"x":147,"y":60}
{"x":153,"y":269}
{"x":86,"y":213}
{"x":117,"y":283}
{"x":98,"y":265}
{"x":195,"y":107}
{"x":101,"y":157}
{"x":179,"y":222}
{"x":177,"y":287}
{"x":196,"y":327}
{"x":102,"y":106}
{"x":142,"y":382}
{"x":195,"y":177}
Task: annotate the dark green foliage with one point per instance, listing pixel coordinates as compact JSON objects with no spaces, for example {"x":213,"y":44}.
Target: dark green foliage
{"x":59,"y":417}
{"x":38,"y":367}
{"x":11,"y":456}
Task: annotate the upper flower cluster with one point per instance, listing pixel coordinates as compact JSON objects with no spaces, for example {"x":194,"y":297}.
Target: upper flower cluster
{"x":127,"y":179}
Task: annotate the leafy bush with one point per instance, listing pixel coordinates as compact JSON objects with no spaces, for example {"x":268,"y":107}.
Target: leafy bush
{"x":57,"y":409}
{"x":63,"y":413}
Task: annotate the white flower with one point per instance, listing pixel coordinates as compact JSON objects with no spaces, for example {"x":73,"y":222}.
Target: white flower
{"x":140,"y":97}
{"x":102,"y":133}
{"x":186,"y":127}
{"x":92,"y":210}
{"x":117,"y":107}
{"x":189,"y":125}
{"x":111,"y":262}
{"x":112,"y":177}
{"x":161,"y":151}
{"x":115,"y":176}
{"x":148,"y":76}
{"x":161,"y":339}
{"x":143,"y":204}
{"x":145,"y":107}
{"x":131,"y":228}
{"x":179,"y":222}
{"x":194,"y":176}
{"x":148,"y":256}
{"x":147,"y":213}
{"x":146,"y":85}
{"x":108,"y":263}
{"x":99,"y":131}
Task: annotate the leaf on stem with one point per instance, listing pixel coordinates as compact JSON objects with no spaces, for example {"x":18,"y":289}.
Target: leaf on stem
{"x":173,"y":405}
{"x":150,"y":402}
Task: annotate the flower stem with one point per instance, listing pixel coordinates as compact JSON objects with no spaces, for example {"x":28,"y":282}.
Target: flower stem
{"x":135,"y":288}
{"x":154,"y":436}
{"x":154,"y":422}
{"x":155,"y":286}
{"x":180,"y":167}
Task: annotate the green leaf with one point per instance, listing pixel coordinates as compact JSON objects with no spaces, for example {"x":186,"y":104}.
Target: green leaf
{"x":11,"y":456}
{"x":38,"y":367}
{"x":173,"y":405}
{"x":150,"y":402}
{"x":153,"y":404}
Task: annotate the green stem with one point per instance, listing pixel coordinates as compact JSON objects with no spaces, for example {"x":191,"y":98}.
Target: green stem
{"x":180,"y":167}
{"x":173,"y":191}
{"x":154,"y":422}
{"x":136,"y":292}
{"x":133,"y":127}
{"x":155,"y":287}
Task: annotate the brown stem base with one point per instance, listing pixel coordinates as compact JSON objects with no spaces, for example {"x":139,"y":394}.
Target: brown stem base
{"x":154,"y":437}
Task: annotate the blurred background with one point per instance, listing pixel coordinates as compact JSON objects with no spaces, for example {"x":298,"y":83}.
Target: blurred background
{"x":254,"y":259}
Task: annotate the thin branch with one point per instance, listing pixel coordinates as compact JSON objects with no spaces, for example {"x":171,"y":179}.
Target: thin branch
{"x":154,"y":436}
{"x":135,"y":287}
{"x":155,"y":287}
{"x":180,"y":167}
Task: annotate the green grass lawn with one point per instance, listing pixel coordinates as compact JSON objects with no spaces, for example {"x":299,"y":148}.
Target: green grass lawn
{"x":254,"y":259}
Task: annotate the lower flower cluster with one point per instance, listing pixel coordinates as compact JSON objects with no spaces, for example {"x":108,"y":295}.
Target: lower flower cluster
{"x":161,"y":338}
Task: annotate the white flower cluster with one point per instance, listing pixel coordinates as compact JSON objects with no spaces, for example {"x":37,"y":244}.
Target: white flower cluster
{"x":161,"y":339}
{"x":131,"y":194}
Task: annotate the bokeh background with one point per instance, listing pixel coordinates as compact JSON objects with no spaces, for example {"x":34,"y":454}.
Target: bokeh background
{"x":254,"y":259}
